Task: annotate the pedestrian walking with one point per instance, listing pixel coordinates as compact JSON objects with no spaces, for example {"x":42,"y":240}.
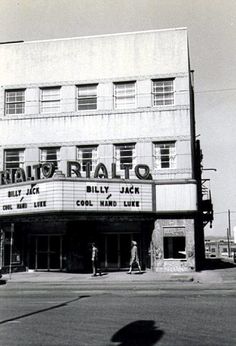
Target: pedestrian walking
{"x":134,"y":257}
{"x":95,"y":260}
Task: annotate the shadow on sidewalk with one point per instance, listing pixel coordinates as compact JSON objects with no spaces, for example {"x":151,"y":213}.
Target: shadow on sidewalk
{"x":217,"y":263}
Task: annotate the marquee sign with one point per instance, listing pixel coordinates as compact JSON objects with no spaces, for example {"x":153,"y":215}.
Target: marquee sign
{"x":65,"y":195}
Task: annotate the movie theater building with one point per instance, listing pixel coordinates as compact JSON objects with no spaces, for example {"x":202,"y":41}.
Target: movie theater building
{"x":98,"y":145}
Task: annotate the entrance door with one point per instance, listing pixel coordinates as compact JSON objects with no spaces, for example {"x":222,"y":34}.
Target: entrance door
{"x":115,"y":251}
{"x":46,"y":252}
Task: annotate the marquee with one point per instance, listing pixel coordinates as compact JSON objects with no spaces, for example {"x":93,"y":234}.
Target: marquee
{"x":71,"y":195}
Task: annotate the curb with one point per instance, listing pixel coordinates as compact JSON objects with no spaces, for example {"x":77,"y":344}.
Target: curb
{"x":182,"y":278}
{"x":101,"y":281}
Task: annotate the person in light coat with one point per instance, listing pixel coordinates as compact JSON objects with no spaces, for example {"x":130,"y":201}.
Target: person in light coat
{"x":134,"y":257}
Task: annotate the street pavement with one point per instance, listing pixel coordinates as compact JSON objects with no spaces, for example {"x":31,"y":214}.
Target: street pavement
{"x":117,"y":309}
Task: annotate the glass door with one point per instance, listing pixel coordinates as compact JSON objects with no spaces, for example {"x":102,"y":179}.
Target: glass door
{"x":111,"y":255}
{"x":45,"y":252}
{"x":125,"y":246}
{"x":115,"y":251}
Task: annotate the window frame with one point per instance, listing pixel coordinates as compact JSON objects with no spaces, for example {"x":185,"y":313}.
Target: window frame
{"x":162,"y":94}
{"x":41,"y":153}
{"x":80,"y":150}
{"x":54,"y":102}
{"x":117,"y":155}
{"x":89,"y":96}
{"x":123,"y":105}
{"x":20,"y":163}
{"x":159,"y":164}
{"x":15,"y":102}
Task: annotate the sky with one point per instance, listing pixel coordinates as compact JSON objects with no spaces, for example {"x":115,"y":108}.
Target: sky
{"x":211,"y":28}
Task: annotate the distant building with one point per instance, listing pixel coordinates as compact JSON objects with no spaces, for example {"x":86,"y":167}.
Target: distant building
{"x":219,"y":247}
{"x":98,"y":145}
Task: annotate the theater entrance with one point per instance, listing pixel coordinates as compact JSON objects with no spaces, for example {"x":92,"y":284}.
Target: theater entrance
{"x":115,"y":250}
{"x":45,"y":252}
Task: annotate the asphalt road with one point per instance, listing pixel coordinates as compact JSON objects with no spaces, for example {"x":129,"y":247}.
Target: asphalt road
{"x":118,"y":314}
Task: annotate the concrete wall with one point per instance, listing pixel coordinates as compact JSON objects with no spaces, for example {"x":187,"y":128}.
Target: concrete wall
{"x":116,"y":56}
{"x":158,"y":262}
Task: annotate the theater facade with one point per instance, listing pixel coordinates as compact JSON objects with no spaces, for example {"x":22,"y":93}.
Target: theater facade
{"x":98,"y":145}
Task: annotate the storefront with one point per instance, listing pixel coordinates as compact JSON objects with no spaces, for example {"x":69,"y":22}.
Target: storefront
{"x":51,"y":223}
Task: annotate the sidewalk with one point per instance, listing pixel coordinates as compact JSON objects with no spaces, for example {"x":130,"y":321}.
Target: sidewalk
{"x":206,"y":276}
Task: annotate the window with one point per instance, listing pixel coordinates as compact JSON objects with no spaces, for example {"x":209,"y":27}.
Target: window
{"x":174,"y":247}
{"x":87,"y":96}
{"x":14,"y":158}
{"x":50,"y":155}
{"x":164,"y":155}
{"x":163,"y":92}
{"x":15,"y":101}
{"x":124,"y":155}
{"x":124,"y":95}
{"x":50,"y":100}
{"x":86,"y":155}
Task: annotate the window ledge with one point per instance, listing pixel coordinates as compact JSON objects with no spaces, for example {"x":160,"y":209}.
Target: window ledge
{"x":96,"y":112}
{"x":175,"y":259}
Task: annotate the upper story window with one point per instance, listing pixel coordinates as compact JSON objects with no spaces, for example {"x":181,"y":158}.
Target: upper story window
{"x":163,"y":92}
{"x":87,"y":96}
{"x":14,"y":158}
{"x":15,"y":101}
{"x":50,"y":99}
{"x":125,"y":155}
{"x":124,"y":95}
{"x":164,"y":155}
{"x":87,"y":155}
{"x":51,"y":154}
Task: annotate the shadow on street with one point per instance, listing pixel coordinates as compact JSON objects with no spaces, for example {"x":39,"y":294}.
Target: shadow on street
{"x":42,"y":310}
{"x":138,"y":333}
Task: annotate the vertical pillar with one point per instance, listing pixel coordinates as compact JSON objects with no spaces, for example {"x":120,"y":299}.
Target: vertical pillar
{"x":36,"y":253}
{"x":61,"y":255}
{"x":157,"y":250}
{"x":11,"y":248}
{"x":48,"y":254}
{"x":1,"y":249}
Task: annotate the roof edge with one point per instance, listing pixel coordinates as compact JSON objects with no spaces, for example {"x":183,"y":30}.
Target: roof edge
{"x":94,"y":36}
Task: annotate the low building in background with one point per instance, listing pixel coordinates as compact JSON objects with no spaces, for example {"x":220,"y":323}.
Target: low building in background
{"x":98,"y":145}
{"x":220,"y":247}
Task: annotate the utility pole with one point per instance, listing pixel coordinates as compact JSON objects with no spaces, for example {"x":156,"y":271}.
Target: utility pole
{"x":229,"y":233}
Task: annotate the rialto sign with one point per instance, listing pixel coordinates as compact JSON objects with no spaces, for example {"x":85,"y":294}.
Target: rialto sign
{"x":46,"y":170}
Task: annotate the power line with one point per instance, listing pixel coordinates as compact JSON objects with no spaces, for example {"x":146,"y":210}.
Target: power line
{"x":224,"y":212}
{"x":213,"y":90}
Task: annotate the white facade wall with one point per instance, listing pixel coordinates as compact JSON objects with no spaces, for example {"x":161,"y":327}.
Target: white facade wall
{"x":113,"y":57}
{"x":104,"y":60}
{"x":139,"y":57}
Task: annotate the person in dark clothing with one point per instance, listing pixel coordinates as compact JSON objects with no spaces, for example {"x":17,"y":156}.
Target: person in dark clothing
{"x":95,"y":260}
